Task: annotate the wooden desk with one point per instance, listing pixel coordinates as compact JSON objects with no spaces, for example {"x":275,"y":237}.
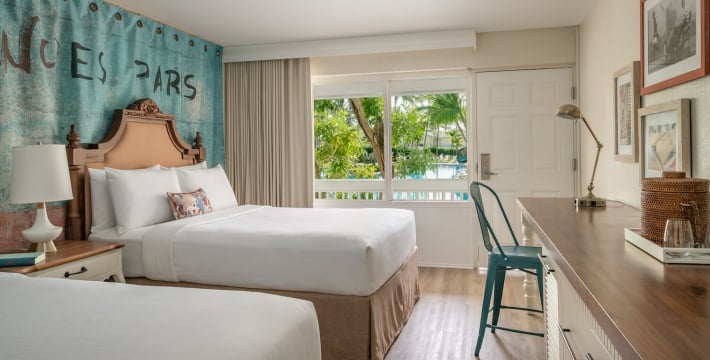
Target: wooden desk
{"x":647,"y":309}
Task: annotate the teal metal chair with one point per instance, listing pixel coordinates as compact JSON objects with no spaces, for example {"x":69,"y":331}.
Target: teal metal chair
{"x":501,"y":259}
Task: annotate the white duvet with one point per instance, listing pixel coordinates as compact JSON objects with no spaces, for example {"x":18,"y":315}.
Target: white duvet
{"x":337,"y":251}
{"x":75,"y":320}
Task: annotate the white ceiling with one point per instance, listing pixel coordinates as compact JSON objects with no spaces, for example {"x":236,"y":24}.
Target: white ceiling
{"x":252,"y":22}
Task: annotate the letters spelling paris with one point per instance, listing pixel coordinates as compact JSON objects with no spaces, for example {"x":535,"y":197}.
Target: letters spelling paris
{"x":79,"y":56}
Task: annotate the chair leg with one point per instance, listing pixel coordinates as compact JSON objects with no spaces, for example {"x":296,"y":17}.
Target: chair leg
{"x":485,"y":307}
{"x":498,"y":295}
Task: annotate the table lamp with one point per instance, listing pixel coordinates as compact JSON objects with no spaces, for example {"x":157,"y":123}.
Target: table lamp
{"x":569,"y":111}
{"x":40,"y":173}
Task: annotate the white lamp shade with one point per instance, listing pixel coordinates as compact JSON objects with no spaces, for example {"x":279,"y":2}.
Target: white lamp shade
{"x":40,"y":173}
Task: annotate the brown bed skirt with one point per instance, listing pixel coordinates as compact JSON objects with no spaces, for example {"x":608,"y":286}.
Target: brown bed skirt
{"x":351,"y":327}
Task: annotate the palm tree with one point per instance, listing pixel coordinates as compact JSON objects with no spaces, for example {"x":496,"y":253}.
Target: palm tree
{"x":447,"y":109}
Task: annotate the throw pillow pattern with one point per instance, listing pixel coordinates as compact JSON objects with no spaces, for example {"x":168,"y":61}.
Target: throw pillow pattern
{"x":185,"y":205}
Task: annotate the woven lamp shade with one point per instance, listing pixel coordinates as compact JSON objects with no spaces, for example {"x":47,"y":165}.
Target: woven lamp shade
{"x":674,"y":196}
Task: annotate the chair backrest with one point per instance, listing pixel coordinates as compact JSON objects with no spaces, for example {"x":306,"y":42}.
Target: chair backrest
{"x":486,"y":228}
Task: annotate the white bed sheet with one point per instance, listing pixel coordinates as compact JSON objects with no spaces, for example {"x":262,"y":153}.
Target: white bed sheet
{"x":132,"y":251}
{"x":46,"y":318}
{"x":336,"y":251}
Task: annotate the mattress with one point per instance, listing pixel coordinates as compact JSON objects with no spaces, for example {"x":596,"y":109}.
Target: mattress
{"x":335,"y":251}
{"x":45,"y":318}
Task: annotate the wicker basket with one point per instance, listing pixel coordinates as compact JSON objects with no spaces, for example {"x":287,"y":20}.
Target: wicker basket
{"x":674,"y":196}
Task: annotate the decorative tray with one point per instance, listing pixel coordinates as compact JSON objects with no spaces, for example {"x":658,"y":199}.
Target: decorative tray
{"x":667,"y":255}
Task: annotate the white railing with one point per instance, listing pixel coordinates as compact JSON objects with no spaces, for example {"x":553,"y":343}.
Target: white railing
{"x":349,"y":189}
{"x":408,"y":190}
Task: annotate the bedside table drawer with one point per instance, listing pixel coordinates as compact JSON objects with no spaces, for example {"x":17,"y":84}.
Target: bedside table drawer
{"x":99,"y":268}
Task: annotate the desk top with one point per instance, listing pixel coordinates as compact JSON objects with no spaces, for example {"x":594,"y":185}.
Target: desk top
{"x":647,"y":309}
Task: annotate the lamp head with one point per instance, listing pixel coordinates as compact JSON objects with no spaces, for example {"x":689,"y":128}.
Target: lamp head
{"x":569,"y":111}
{"x":39,"y":173}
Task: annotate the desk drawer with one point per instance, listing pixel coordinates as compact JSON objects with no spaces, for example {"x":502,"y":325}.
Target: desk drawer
{"x":98,"y":268}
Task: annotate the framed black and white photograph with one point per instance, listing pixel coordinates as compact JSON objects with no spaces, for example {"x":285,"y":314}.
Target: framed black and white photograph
{"x":673,"y":42}
{"x":664,"y":138}
{"x":626,"y":106}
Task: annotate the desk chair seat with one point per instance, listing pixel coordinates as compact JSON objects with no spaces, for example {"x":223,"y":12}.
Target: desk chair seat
{"x":500,"y":260}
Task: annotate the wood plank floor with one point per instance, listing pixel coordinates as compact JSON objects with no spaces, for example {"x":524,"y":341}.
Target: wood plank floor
{"x":444,"y":323}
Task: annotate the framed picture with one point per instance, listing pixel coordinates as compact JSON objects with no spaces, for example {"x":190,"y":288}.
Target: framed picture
{"x":664,"y":138}
{"x":673,"y":42}
{"x":626,"y":107}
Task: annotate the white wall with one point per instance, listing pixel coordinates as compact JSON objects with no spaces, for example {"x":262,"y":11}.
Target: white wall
{"x":609,"y":38}
{"x":447,"y":234}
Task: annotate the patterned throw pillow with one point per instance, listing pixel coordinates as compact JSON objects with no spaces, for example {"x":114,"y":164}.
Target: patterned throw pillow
{"x":185,"y":205}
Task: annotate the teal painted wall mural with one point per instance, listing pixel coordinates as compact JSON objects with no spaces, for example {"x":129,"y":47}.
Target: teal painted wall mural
{"x":74,"y":62}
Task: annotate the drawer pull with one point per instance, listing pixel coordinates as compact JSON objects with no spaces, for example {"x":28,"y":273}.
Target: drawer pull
{"x":589,"y":356}
{"x":568,"y":346}
{"x":546,"y":267}
{"x":81,"y":271}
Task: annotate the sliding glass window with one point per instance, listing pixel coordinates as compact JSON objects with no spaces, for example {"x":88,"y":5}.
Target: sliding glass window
{"x":411,"y":147}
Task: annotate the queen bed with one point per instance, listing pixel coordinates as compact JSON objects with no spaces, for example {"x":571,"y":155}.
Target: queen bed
{"x":47,"y":318}
{"x":357,"y":266}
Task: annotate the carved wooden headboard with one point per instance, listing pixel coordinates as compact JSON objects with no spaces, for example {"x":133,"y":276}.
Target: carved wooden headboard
{"x":140,"y":136}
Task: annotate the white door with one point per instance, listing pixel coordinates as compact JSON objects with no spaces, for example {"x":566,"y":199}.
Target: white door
{"x":530,"y":150}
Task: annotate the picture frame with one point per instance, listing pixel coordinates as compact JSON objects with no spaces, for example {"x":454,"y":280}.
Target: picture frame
{"x":673,"y":43}
{"x":664,"y":138}
{"x":626,"y":107}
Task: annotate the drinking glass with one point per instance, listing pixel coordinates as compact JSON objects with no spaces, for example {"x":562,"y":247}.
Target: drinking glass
{"x":678,"y":234}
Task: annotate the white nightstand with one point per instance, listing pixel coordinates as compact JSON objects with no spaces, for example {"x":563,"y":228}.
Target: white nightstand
{"x":79,"y":260}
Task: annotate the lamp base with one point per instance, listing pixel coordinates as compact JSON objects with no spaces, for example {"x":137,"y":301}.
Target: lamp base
{"x":590,"y":202}
{"x":42,"y":231}
{"x":43,"y":247}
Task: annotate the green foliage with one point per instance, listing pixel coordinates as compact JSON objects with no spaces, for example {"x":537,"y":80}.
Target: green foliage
{"x":456,"y":139}
{"x":445,"y":110}
{"x":408,"y":129}
{"x":343,"y":152}
{"x":339,"y":145}
{"x":414,"y":164}
{"x":374,"y":108}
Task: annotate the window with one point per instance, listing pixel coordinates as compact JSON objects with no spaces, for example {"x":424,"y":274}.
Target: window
{"x":414,"y":147}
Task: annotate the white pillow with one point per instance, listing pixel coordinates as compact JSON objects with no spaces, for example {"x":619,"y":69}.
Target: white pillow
{"x":102,"y":215}
{"x":213,"y":181}
{"x":139,"y":198}
{"x":200,"y":165}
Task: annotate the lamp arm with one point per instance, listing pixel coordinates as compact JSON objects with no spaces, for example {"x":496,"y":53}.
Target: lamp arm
{"x":599,"y":144}
{"x":590,"y":187}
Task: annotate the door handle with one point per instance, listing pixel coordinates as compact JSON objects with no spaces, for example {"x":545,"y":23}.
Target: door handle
{"x":486,"y":167}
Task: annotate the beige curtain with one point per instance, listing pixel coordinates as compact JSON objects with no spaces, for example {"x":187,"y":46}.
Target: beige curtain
{"x":269,"y":132}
